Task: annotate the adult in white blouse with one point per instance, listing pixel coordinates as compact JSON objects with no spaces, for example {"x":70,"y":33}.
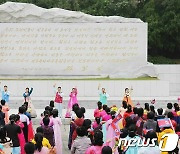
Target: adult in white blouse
{"x":58,"y":99}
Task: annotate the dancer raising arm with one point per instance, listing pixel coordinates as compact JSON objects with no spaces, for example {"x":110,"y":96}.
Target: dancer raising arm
{"x":103,"y":95}
{"x":58,"y":99}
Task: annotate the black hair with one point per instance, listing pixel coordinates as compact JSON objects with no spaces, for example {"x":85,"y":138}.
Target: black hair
{"x":132,"y":131}
{"x":175,"y":105}
{"x":40,"y":130}
{"x":59,"y":87}
{"x":146,"y":106}
{"x":47,"y":108}
{"x":128,"y":121}
{"x":83,"y":110}
{"x":81,"y":131}
{"x":113,"y":114}
{"x":50,"y":110}
{"x":75,"y":107}
{"x":104,"y":107}
{"x":169,"y":105}
{"x":21,"y":109}
{"x":140,"y":112}
{"x":87,"y":123}
{"x":176,"y":108}
{"x":3,"y":102}
{"x":160,"y":111}
{"x":135,"y":110}
{"x":108,"y":110}
{"x":46,"y":121}
{"x":129,"y":108}
{"x":151,"y":135}
{"x":124,"y":133}
{"x":0,"y":107}
{"x":126,"y":89}
{"x":26,"y":103}
{"x":29,"y":148}
{"x":25,"y":107}
{"x":98,"y":120}
{"x":124,"y":104}
{"x":5,"y":86}
{"x":55,"y":113}
{"x":17,"y":117}
{"x":38,"y":138}
{"x":99,"y":104}
{"x":150,"y":115}
{"x":12,"y":118}
{"x":106,"y":150}
{"x":152,"y":108}
{"x":27,"y":89}
{"x":79,"y":113}
{"x":98,"y":138}
{"x":46,"y":112}
{"x":170,"y":115}
{"x":51,"y":104}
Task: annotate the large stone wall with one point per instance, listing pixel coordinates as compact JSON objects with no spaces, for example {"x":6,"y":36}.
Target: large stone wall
{"x":57,"y":42}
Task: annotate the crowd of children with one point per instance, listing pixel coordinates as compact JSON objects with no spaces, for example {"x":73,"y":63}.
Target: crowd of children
{"x":100,"y":136}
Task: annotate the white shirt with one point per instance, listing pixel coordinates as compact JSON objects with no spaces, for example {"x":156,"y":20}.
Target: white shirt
{"x":24,"y":118}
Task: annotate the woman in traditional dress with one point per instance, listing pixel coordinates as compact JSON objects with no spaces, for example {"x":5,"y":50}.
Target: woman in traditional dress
{"x":57,"y":131}
{"x":102,"y":95}
{"x":73,"y":100}
{"x":27,"y":98}
{"x":127,"y":97}
{"x":21,"y":135}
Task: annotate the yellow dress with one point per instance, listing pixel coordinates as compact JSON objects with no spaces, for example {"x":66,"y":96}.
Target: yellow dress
{"x":45,"y":143}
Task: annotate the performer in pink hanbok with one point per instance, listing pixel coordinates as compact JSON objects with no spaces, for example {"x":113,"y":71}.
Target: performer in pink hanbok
{"x":73,"y":100}
{"x":112,"y":129}
{"x":21,"y":135}
{"x":57,"y":131}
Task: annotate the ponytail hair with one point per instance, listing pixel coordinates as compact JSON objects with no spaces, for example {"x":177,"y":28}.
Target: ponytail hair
{"x":38,"y":138}
{"x":12,"y":118}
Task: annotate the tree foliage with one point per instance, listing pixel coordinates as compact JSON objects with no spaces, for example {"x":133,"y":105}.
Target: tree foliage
{"x":162,"y":16}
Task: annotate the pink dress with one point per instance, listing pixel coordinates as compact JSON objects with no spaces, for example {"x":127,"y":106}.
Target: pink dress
{"x":95,"y":125}
{"x":21,"y":137}
{"x":44,"y":150}
{"x":94,"y":150}
{"x":73,"y":100}
{"x":97,"y":113}
{"x":106,"y":117}
{"x":5,"y":110}
{"x":111,"y":135}
{"x":57,"y":134}
{"x":50,"y":122}
{"x":103,"y":113}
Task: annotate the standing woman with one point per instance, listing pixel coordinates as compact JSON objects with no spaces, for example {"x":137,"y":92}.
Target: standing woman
{"x":57,"y":131}
{"x":127,"y":97}
{"x":58,"y":99}
{"x":27,"y":98}
{"x":103,"y":95}
{"x":5,"y":93}
{"x":73,"y":100}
